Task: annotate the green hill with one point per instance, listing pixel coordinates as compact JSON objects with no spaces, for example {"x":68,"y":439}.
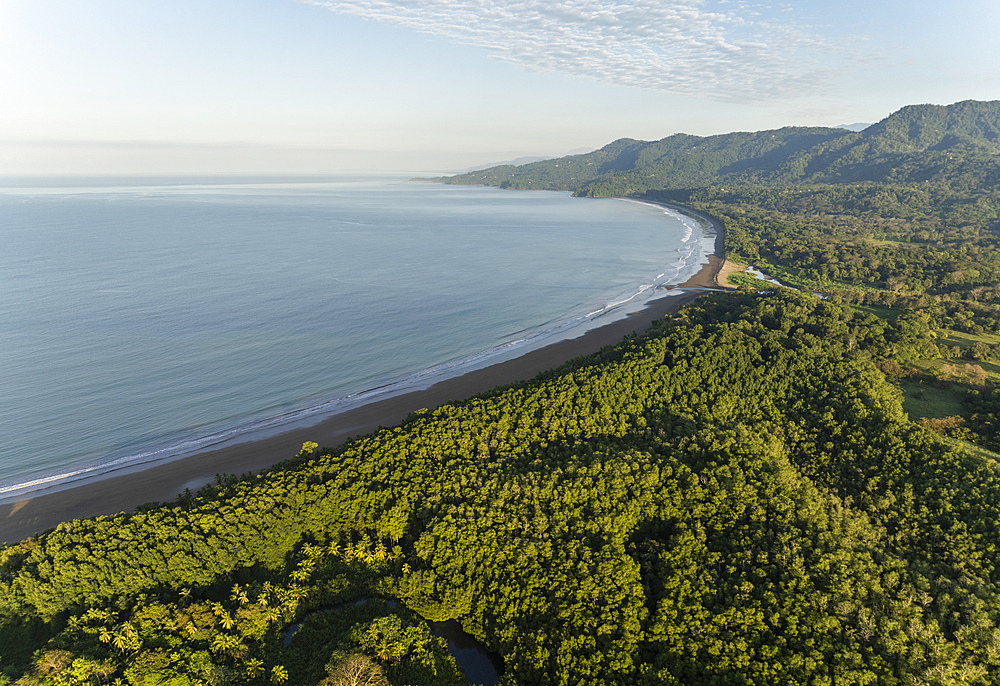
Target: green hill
{"x":958,"y":143}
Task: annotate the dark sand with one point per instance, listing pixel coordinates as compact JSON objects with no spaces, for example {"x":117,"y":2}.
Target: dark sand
{"x":163,"y":482}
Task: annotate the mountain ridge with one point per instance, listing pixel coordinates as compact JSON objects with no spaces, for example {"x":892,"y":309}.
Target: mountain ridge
{"x":958,"y":142}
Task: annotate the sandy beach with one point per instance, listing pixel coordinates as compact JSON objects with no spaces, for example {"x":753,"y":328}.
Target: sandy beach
{"x":163,"y":482}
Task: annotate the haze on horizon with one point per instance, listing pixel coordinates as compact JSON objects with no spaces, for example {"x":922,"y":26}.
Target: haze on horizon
{"x":307,"y":86}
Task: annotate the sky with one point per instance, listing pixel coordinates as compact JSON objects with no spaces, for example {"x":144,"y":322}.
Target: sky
{"x":318,"y":86}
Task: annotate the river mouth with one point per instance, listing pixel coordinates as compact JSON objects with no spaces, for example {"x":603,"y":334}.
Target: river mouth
{"x":478,"y":664}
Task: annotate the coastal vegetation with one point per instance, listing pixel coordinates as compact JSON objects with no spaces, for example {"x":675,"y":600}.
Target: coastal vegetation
{"x":735,"y":497}
{"x":767,"y":487}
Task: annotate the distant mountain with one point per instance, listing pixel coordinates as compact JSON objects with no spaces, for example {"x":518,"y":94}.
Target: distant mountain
{"x":515,"y":163}
{"x":956,"y":143}
{"x":856,"y":126}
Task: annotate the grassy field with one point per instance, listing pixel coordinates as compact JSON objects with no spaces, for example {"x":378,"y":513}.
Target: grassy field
{"x":923,"y":398}
{"x":743,"y":279}
{"x":966,"y":340}
{"x":972,"y":448}
{"x":963,"y":341}
{"x":936,"y":367}
{"x":886,"y":313}
{"x":894,"y":244}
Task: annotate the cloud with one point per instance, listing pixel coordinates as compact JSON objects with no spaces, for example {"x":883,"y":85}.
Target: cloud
{"x":736,"y":52}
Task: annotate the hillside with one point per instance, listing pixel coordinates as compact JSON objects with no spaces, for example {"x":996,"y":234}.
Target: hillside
{"x":956,"y":143}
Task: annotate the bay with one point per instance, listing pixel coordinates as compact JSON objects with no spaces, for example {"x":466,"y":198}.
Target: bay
{"x":147,"y":319}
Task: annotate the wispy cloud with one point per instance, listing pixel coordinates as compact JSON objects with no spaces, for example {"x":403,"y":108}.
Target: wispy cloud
{"x":733,"y":51}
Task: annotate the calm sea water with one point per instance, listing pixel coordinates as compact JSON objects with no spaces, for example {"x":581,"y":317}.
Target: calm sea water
{"x":142,"y":320}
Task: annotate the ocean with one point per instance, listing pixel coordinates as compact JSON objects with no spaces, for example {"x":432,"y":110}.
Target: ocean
{"x":145,"y":319}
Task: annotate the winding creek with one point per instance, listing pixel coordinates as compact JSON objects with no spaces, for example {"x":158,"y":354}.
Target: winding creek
{"x":479,"y":665}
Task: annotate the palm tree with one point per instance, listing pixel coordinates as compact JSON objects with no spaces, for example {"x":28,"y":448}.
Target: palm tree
{"x":266,"y":591}
{"x":279,"y":674}
{"x":122,"y":638}
{"x":254,"y":667}
{"x":239,"y":595}
{"x":227,"y":643}
{"x":227,"y":621}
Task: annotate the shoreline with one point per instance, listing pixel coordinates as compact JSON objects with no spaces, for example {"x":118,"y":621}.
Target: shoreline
{"x":162,"y":482}
{"x":720,"y":232}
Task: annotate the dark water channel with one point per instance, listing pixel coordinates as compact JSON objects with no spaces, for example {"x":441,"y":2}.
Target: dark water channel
{"x":479,"y":665}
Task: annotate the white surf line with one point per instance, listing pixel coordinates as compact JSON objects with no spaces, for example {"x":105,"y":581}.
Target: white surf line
{"x":620,"y":302}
